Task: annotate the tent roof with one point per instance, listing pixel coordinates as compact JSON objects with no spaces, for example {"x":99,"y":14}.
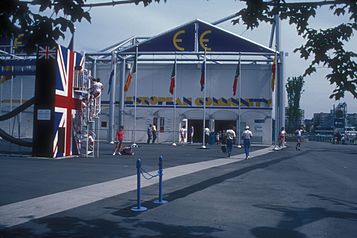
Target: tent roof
{"x":197,"y":35}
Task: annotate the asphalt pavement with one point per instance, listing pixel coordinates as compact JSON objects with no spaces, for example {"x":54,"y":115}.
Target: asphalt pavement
{"x":286,"y":193}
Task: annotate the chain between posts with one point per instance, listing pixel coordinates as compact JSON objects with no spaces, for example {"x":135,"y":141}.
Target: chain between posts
{"x":140,"y":171}
{"x":144,"y":173}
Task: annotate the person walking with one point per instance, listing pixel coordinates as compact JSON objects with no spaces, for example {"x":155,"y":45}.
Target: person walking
{"x":298,"y":134}
{"x":247,"y":136}
{"x":119,"y":143}
{"x":231,"y":135}
{"x":182,"y":134}
{"x":282,"y":136}
{"x":207,"y":131}
{"x":154,"y":133}
{"x":149,"y":134}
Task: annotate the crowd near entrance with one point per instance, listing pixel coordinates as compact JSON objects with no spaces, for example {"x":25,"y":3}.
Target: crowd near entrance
{"x":198,"y":129}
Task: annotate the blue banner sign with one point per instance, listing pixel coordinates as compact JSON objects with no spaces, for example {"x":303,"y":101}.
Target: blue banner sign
{"x":199,"y":36}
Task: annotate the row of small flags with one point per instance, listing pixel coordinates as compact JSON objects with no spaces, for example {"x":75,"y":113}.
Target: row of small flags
{"x":202,"y":78}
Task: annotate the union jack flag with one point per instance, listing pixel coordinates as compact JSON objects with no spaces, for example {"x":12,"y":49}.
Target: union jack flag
{"x":46,"y":52}
{"x":66,"y":104}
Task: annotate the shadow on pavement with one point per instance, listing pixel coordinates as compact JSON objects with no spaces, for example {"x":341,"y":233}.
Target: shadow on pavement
{"x":71,"y":227}
{"x":186,"y":191}
{"x":296,"y":217}
{"x":334,"y":201}
{"x":272,"y":232}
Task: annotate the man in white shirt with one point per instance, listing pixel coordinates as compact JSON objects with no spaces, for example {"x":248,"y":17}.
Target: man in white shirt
{"x":298,"y":134}
{"x":207,"y":131}
{"x":154,"y":133}
{"x":247,"y":136}
{"x":230,"y":138}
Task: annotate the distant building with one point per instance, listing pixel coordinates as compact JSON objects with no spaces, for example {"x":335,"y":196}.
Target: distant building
{"x":337,"y":118}
{"x":352,"y":119}
{"x":340,"y":113}
{"x":309,"y":124}
{"x":323,"y":121}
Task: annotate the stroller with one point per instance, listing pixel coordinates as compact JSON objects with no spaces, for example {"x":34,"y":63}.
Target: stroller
{"x":223,"y":140}
{"x":224,"y":148}
{"x":127,"y":150}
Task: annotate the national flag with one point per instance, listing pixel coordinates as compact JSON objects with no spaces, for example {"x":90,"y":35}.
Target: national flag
{"x":173,"y":79}
{"x":203,"y":75}
{"x":66,"y":103}
{"x":110,"y":80}
{"x":273,"y":73}
{"x":46,"y":52}
{"x":130,"y":76}
{"x":236,"y":79}
{"x":111,"y":76}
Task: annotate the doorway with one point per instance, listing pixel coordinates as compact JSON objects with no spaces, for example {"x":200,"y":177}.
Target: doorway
{"x":222,"y":125}
{"x":198,"y":130}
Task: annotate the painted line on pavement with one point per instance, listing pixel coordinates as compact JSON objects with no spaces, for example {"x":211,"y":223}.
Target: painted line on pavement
{"x":24,"y":211}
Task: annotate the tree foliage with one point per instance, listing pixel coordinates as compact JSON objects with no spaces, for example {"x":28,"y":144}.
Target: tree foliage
{"x":294,"y":89}
{"x":45,"y":21}
{"x":323,"y":46}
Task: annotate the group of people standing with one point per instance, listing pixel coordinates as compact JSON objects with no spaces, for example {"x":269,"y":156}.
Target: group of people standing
{"x":226,"y":137}
{"x":183,"y":134}
{"x":121,"y":149}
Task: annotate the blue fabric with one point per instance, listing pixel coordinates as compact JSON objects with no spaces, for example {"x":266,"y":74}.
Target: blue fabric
{"x":246,"y":143}
{"x":229,"y":147}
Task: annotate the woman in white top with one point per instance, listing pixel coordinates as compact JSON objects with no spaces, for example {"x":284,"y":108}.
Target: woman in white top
{"x":282,"y":136}
{"x":97,"y":88}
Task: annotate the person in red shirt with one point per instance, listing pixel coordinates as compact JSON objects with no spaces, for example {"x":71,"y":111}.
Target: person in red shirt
{"x":120,"y":138}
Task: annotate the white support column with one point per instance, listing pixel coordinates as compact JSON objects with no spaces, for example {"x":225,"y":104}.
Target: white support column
{"x":121,"y":92}
{"x":281,"y":84}
{"x":112,"y":99}
{"x":278,"y":82}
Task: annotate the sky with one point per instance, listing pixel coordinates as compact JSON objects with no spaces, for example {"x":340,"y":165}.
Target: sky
{"x":110,"y":25}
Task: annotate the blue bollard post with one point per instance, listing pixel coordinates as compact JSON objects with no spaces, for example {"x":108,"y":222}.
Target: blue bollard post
{"x":160,"y":200}
{"x":138,"y":207}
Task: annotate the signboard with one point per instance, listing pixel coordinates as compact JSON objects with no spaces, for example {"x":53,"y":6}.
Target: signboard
{"x":44,"y":114}
{"x":154,"y":82}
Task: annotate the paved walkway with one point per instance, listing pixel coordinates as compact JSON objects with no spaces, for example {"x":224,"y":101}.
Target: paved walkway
{"x":24,"y":211}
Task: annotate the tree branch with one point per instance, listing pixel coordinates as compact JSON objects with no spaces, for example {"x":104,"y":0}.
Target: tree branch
{"x":295,"y":4}
{"x":103,"y":4}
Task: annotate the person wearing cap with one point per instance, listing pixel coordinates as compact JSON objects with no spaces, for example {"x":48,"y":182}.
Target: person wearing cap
{"x":247,"y":136}
{"x":231,"y":135}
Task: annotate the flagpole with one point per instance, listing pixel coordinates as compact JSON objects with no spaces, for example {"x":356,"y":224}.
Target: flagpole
{"x":275,"y":98}
{"x":136,"y":91}
{"x":174,"y":118}
{"x":204,"y":100}
{"x":239,"y":98}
